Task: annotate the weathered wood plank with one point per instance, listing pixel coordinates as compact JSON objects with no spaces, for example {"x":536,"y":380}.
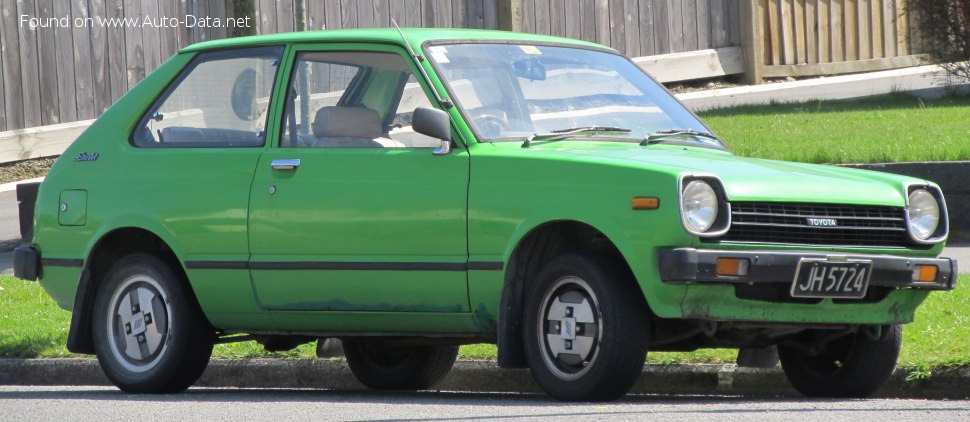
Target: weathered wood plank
{"x":63,"y":74}
{"x":83,"y":62}
{"x":266,"y":14}
{"x":30,"y":63}
{"x":774,"y":29}
{"x":47,"y":54}
{"x":529,"y":16}
{"x":888,"y":29}
{"x":836,"y":35}
{"x":854,"y":66}
{"x":412,"y":13}
{"x":734,"y":22}
{"x":864,"y":25}
{"x":915,"y":35}
{"x":557,"y":17}
{"x":444,"y":14}
{"x":700,"y":64}
{"x":876,"y":29}
{"x":134,"y":47}
{"x":851,"y":30}
{"x":798,"y":15}
{"x":217,"y":9}
{"x":752,"y":27}
{"x":631,"y":24}
{"x":285,"y":18}
{"x":151,"y":36}
{"x":647,"y":42}
{"x":3,"y":104}
{"x":618,"y":26}
{"x":458,"y":13}
{"x":689,"y":22}
{"x":787,"y":32}
{"x":661,"y":26}
{"x":543,"y":21}
{"x":823,"y":36}
{"x":428,"y":16}
{"x":573,"y":17}
{"x":10,"y":69}
{"x":704,"y":24}
{"x":348,"y":14}
{"x":168,"y":41}
{"x":676,"y":15}
{"x":99,"y":56}
{"x":316,"y":14}
{"x":902,"y":28}
{"x":811,"y":31}
{"x":117,"y":56}
{"x":490,"y":14}
{"x":719,"y":28}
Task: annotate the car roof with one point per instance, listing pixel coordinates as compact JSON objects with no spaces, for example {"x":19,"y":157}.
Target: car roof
{"x":416,"y":36}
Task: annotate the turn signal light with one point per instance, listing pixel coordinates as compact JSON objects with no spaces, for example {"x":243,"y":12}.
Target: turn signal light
{"x":646,"y":203}
{"x":731,"y":266}
{"x":925,"y":273}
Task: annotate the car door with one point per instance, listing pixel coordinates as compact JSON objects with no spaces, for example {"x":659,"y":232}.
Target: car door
{"x":351,"y":211}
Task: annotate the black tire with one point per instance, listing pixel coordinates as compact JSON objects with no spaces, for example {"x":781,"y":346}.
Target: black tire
{"x":382,"y":367}
{"x":853,"y":366}
{"x":614,"y":342}
{"x":176,"y":342}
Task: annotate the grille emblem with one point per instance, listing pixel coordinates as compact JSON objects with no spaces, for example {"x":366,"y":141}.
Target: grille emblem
{"x":822,"y":222}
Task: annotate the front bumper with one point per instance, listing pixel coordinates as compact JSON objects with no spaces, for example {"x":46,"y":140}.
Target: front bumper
{"x":694,"y":266}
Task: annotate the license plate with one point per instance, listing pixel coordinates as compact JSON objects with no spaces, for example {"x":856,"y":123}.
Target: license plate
{"x":821,"y":278}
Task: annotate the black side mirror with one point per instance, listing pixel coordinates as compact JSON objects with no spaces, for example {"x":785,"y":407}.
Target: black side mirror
{"x":432,"y":122}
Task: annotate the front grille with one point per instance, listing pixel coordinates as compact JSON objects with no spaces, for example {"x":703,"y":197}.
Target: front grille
{"x":787,"y":223}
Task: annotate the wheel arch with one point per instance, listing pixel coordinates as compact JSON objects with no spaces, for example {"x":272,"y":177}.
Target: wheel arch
{"x":105,"y":250}
{"x":539,"y":245}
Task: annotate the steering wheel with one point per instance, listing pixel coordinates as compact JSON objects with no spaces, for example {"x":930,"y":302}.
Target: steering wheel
{"x":491,"y":126}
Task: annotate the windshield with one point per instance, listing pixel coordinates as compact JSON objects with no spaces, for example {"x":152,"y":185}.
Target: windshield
{"x":509,"y":92}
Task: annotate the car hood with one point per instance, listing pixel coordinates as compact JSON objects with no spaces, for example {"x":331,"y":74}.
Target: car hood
{"x":751,"y":179}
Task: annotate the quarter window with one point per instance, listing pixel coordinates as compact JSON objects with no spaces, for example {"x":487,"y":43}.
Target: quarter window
{"x":220,"y":100}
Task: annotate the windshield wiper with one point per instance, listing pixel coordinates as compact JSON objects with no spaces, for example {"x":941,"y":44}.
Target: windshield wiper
{"x":657,"y":137}
{"x":560,"y":134}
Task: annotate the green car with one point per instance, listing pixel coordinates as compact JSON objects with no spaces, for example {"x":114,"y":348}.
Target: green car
{"x":409,"y":192}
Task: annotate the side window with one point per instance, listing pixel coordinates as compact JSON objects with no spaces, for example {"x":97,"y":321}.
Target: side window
{"x":340,"y":99}
{"x":220,"y":100}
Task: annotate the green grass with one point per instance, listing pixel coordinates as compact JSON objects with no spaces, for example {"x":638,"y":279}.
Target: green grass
{"x":889,"y":128}
{"x":31,"y":325}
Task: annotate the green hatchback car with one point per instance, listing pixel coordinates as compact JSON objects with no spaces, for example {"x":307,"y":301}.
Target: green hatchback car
{"x":408,"y":192}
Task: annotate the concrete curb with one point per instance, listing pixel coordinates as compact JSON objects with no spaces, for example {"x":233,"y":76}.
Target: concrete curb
{"x":479,"y":376}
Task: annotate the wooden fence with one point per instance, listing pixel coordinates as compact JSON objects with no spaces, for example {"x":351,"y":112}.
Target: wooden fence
{"x":74,"y":72}
{"x":818,"y":37}
{"x":637,"y":27}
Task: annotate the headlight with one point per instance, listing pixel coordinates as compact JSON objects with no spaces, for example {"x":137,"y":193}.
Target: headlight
{"x":699,"y":205}
{"x":924,"y":214}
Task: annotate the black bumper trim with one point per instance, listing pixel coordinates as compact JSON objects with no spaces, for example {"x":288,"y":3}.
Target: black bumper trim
{"x":61,"y":262}
{"x":689,"y":265}
{"x":26,"y":263}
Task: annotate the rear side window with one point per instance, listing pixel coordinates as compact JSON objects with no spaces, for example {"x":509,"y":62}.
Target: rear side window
{"x":220,"y":100}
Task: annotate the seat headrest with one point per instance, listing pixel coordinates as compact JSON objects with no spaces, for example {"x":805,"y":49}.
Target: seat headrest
{"x":352,"y":122}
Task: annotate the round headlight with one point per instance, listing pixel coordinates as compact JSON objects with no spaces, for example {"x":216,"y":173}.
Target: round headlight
{"x":699,"y":203}
{"x":924,"y":214}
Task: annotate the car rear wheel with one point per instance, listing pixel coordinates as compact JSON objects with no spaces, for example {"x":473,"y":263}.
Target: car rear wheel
{"x":852,"y":366}
{"x":381,"y":366}
{"x":586,"y":329}
{"x":149,"y":334}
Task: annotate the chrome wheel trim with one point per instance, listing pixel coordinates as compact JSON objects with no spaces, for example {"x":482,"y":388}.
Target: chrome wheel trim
{"x":570,"y":310}
{"x":139,"y":323}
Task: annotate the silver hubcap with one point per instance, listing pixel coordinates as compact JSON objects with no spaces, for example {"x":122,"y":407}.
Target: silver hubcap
{"x":139,"y":323}
{"x":570,"y":328}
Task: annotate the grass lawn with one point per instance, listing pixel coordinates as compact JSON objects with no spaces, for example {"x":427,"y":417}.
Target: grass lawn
{"x":31,"y":325}
{"x":888,"y":128}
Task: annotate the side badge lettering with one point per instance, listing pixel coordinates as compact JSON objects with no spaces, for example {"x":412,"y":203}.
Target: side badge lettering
{"x":86,"y":157}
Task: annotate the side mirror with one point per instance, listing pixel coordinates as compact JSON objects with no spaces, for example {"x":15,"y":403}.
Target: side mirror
{"x":434,"y":123}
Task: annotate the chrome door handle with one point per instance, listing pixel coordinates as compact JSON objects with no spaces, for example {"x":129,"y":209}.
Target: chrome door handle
{"x":286,"y":163}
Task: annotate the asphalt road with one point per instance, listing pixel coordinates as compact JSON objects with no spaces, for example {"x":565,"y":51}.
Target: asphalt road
{"x":107,"y":404}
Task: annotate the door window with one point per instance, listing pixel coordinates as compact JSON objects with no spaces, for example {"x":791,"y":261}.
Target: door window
{"x":221,"y":99}
{"x":340,"y":99}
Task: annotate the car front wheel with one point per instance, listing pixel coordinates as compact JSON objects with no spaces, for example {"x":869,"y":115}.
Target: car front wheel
{"x":149,"y":334}
{"x":852,"y":366}
{"x":586,"y":329}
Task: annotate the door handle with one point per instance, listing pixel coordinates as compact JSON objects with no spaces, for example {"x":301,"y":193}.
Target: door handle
{"x":286,"y":163}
